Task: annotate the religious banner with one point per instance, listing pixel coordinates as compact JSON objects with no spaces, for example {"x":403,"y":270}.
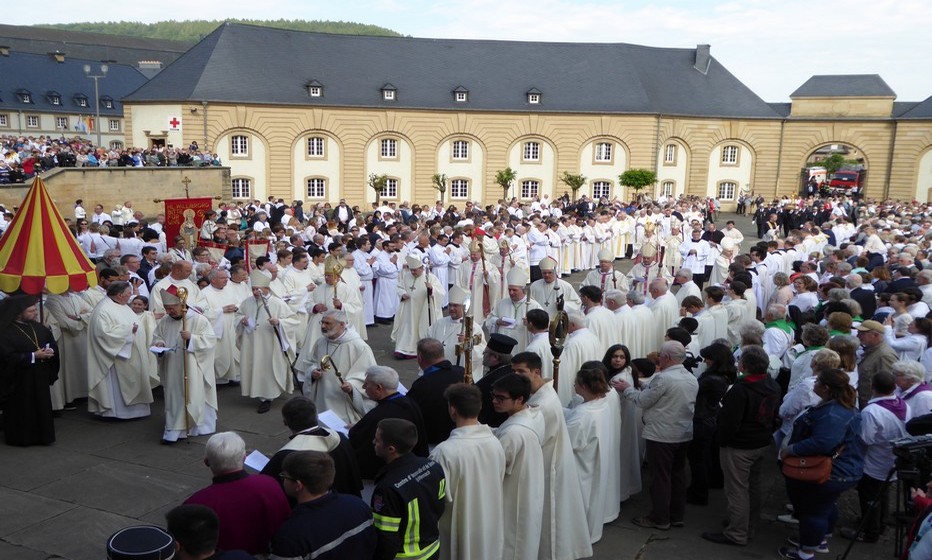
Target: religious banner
{"x":216,"y":250}
{"x":254,"y":250}
{"x":184,"y":216}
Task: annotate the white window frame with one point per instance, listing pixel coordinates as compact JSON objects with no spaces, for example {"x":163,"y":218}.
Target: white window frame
{"x":603,"y":152}
{"x":388,"y":148}
{"x":116,"y":145}
{"x":730,"y":154}
{"x":727,"y":186}
{"x":239,"y":146}
{"x":316,"y":147}
{"x":460,"y":150}
{"x":530,"y":188}
{"x":106,"y":103}
{"x":669,"y":154}
{"x":598,"y":186}
{"x":4,"y":119}
{"x":238,"y":184}
{"x":82,"y":102}
{"x":459,"y":189}
{"x":316,"y":187}
{"x":461,"y":96}
{"x":533,"y":98}
{"x":391,"y":188}
{"x":32,"y":121}
{"x":531,"y":151}
{"x":61,"y":123}
{"x":55,"y":100}
{"x":315,"y":91}
{"x":114,"y":125}
{"x":667,"y":188}
{"x":388,"y":94}
{"x":25,"y":97}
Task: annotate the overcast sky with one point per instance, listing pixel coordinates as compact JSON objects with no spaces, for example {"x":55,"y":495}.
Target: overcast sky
{"x":772,"y":46}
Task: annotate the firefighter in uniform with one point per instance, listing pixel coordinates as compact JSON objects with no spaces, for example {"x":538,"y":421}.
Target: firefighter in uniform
{"x":408,"y":499}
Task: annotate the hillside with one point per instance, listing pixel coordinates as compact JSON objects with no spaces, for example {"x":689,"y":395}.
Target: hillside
{"x":193,"y":31}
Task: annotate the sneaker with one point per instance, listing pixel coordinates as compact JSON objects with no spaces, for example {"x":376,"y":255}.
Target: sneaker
{"x":793,"y":553}
{"x":854,"y":535}
{"x":821,"y":549}
{"x":790,"y":508}
{"x":788,"y":518}
{"x":648,"y":524}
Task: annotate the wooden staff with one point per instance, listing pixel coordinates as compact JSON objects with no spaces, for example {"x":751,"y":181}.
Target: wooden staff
{"x":281,"y":342}
{"x":559,"y":329}
{"x":325,"y":364}
{"x":182,"y":294}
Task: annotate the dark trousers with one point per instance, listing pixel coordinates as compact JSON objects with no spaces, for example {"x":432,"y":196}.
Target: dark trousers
{"x":535,"y":272}
{"x":869,"y":489}
{"x":699,"y":279}
{"x":667,"y":463}
{"x":816,"y":506}
{"x":705,"y":470}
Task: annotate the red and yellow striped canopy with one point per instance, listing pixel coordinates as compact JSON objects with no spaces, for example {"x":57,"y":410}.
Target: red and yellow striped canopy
{"x":38,"y":250}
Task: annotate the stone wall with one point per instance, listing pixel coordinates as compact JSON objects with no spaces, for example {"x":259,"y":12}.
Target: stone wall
{"x":113,"y":186}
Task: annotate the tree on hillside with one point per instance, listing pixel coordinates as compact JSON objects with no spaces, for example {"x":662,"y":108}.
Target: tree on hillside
{"x":637,"y":180}
{"x":440,"y":183}
{"x":504,"y":178}
{"x":835,"y":162}
{"x":377,"y":183}
{"x":573,"y":181}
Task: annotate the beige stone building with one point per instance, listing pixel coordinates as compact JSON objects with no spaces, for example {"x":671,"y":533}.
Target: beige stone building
{"x":310,"y":116}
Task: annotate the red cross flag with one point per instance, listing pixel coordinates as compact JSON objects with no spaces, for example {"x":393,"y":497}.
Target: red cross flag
{"x":174,"y":123}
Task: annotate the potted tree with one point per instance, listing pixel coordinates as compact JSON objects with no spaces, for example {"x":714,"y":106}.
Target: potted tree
{"x":637,"y":180}
{"x":440,"y":183}
{"x":377,"y":183}
{"x":573,"y":181}
{"x":504,"y":178}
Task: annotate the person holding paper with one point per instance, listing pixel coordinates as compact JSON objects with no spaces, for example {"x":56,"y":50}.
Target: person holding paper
{"x":119,"y":385}
{"x":334,"y":293}
{"x":508,"y":314}
{"x":222,"y":303}
{"x":187,"y":370}
{"x":266,"y":353}
{"x":298,"y":280}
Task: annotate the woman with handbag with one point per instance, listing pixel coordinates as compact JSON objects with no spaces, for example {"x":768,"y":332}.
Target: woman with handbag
{"x":821,"y":461}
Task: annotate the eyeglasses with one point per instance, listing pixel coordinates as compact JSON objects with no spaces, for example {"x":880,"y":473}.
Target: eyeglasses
{"x":284,"y":476}
{"x":500,"y":398}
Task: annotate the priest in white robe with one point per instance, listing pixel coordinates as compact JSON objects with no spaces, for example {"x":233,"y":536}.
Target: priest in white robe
{"x":565,"y":532}
{"x":298,"y":280}
{"x":180,"y":277}
{"x":71,"y":314}
{"x":119,"y":382}
{"x":599,"y":319}
{"x":387,"y":267}
{"x":504,"y":263}
{"x":538,"y":327}
{"x":629,"y":437}
{"x":439,"y":258}
{"x":640,"y":337}
{"x":334,"y":293}
{"x":480,"y":278}
{"x":472,"y":524}
{"x":684,"y":279}
{"x":335,"y":384}
{"x":713,"y":320}
{"x":647,"y":270}
{"x":665,"y":310}
{"x":449,"y":329}
{"x":187,"y":370}
{"x":266,"y":351}
{"x":522,"y":437}
{"x":420,"y":293}
{"x":350,"y":277}
{"x":581,"y":346}
{"x":547,"y":290}
{"x":222,"y":304}
{"x":507,"y":316}
{"x":605,"y":277}
{"x":617,"y":302}
{"x":362,"y":262}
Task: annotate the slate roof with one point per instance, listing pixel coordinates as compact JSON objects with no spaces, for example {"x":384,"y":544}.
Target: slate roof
{"x":844,"y":85}
{"x":247,"y":64}
{"x":41,"y":74}
{"x":921,"y":110}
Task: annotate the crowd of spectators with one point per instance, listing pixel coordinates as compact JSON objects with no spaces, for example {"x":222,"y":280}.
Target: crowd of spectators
{"x":23,"y":157}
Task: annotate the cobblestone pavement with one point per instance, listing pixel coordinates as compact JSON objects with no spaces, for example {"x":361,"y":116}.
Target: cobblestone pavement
{"x":63,"y":501}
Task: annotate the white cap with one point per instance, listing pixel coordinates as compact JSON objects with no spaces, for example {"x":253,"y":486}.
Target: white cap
{"x":606,"y":255}
{"x":413,"y":262}
{"x":458,"y":295}
{"x":517,"y":276}
{"x":548,"y":263}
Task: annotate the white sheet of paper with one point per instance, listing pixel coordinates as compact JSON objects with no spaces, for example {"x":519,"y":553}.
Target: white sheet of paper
{"x":333,"y":421}
{"x":256,"y":461}
{"x":402,"y":389}
{"x":510,"y":323}
{"x":250,"y":326}
{"x":160,"y":349}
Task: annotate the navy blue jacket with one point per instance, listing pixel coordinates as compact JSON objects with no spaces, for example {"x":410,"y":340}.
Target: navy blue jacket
{"x":825,"y":427}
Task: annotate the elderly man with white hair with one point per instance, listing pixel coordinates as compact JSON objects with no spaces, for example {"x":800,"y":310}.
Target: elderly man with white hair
{"x":668,"y":403}
{"x":665,"y":310}
{"x":581,"y":346}
{"x":924,"y":281}
{"x":240,"y":499}
{"x":381,"y":386}
{"x":911,"y":386}
{"x":222,"y":304}
{"x":779,"y":333}
{"x":334,"y":368}
{"x":640,"y":342}
{"x":684,"y":279}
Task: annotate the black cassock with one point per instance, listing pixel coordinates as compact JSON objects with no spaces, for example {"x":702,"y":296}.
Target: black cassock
{"x":24,"y":385}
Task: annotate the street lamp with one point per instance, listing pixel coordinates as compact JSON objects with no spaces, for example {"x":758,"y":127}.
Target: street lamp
{"x":95,"y":77}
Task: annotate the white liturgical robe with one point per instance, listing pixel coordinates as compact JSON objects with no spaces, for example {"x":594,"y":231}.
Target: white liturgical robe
{"x":546,"y":295}
{"x":351,"y":356}
{"x":602,"y":323}
{"x":540,"y":344}
{"x":611,"y":280}
{"x":513,"y":314}
{"x":581,"y":346}
{"x":324,"y":295}
{"x":447,"y":331}
{"x":199,"y":416}
{"x":226,"y":357}
{"x":470,"y":277}
{"x":417,"y":311}
{"x":640,"y":337}
{"x":629,"y":437}
{"x":666,"y":314}
{"x":265,"y":362}
{"x":521,"y":436}
{"x":472,"y":525}
{"x":589,"y":425}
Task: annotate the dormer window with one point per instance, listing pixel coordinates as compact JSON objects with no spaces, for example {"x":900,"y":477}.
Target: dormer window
{"x":80,"y":100}
{"x":533,"y":96}
{"x":389,"y":92}
{"x":461,"y":95}
{"x":25,"y":96}
{"x":106,"y":102}
{"x":54,"y":98}
{"x":314,"y":89}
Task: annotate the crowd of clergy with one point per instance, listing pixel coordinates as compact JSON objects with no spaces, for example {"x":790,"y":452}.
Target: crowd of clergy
{"x":565,"y":422}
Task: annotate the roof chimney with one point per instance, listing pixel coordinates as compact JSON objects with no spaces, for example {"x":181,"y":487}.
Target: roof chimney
{"x":703,"y":58}
{"x":58,"y":56}
{"x":4,"y":50}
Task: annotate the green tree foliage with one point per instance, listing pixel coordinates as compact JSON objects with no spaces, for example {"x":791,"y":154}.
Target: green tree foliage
{"x":637,"y":179}
{"x":378,"y":183}
{"x":195,"y":30}
{"x":835,"y":162}
{"x":504,"y":178}
{"x":573,"y":181}
{"x":440,"y":183}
